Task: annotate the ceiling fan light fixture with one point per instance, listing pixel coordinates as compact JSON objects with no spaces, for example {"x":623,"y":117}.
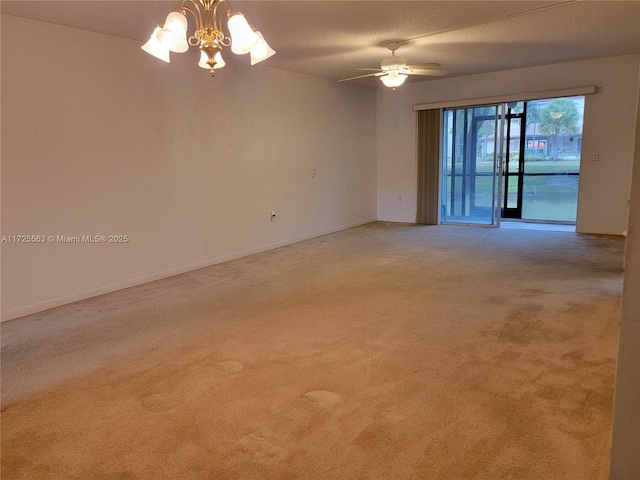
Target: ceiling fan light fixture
{"x":393,"y":79}
{"x":394,"y":70}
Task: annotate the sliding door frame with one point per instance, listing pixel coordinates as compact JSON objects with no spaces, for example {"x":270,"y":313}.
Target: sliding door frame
{"x":496,"y":172}
{"x":519,"y":97}
{"x":499,"y":101}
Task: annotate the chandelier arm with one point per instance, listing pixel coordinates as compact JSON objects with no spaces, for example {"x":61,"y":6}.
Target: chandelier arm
{"x":224,"y":39}
{"x":208,"y":21}
{"x":195,"y":12}
{"x":193,"y":40}
{"x":217,"y":5}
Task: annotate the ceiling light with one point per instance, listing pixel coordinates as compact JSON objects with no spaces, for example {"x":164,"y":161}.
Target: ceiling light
{"x":155,"y":48}
{"x":173,"y":34}
{"x":208,"y":35}
{"x":393,"y":79}
{"x":243,"y":38}
{"x":219,"y":61}
{"x":261,"y":51}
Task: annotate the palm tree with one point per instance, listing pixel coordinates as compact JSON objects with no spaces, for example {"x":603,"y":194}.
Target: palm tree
{"x":558,"y":118}
{"x":533,"y":118}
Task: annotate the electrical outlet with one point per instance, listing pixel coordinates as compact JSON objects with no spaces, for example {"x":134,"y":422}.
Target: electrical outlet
{"x":595,"y":157}
{"x":313,"y":173}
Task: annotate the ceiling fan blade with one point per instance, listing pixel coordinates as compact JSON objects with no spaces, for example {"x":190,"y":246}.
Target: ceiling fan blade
{"x":427,"y":72}
{"x":369,"y":69}
{"x":362,"y":76}
{"x":423,"y":65}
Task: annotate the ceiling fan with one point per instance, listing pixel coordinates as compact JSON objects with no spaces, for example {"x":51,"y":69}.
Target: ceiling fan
{"x":394,"y":70}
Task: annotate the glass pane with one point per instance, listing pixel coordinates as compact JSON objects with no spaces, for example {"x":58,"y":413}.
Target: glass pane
{"x":552,"y":159}
{"x":468,"y":153}
{"x":514,"y":146}
{"x":511,"y":187}
{"x":512,"y":164}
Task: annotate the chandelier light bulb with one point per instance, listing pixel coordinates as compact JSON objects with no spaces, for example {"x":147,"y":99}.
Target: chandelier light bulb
{"x":261,"y":51}
{"x":176,"y":22}
{"x":173,"y":42}
{"x":155,"y":48}
{"x":218,"y":58}
{"x":219,"y":61}
{"x":173,"y":35}
{"x":203,"y":61}
{"x":243,"y":38}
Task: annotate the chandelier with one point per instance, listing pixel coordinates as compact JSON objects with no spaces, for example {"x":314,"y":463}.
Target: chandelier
{"x":209,"y":36}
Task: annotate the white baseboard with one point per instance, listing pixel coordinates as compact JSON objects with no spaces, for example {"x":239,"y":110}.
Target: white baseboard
{"x":56,"y":302}
{"x":400,"y":219}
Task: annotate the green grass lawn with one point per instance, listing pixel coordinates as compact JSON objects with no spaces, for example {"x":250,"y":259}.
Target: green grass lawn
{"x":546,"y":166}
{"x":545,"y":197}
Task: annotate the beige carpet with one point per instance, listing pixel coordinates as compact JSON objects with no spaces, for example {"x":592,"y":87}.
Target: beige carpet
{"x":382,"y":352}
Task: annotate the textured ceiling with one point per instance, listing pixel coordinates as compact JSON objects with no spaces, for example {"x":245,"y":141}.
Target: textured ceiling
{"x":332,"y":38}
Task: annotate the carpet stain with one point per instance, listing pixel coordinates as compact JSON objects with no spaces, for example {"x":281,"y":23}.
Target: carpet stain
{"x":521,"y":333}
{"x":579,"y":308}
{"x":533,"y":292}
{"x":277,"y":438}
{"x":323,"y":398}
{"x":379,"y":437}
{"x":533,"y":323}
{"x":497,"y":300}
{"x":508,"y":355}
{"x":198,"y":380}
{"x":576,"y":355}
{"x":230,"y":366}
{"x":261,"y":449}
{"x":525,"y":313}
{"x":158,"y":403}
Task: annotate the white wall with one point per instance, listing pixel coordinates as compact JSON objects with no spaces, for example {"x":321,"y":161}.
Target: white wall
{"x":99,"y":138}
{"x":609,"y":129}
{"x":625,"y":444}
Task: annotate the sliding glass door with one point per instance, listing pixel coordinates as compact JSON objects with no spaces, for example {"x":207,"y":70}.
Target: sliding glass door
{"x":471,"y":168}
{"x":552,"y":154}
{"x":542,"y":159}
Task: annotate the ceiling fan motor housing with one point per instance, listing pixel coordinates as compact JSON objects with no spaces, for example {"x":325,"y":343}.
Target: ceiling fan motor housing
{"x":393,"y":63}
